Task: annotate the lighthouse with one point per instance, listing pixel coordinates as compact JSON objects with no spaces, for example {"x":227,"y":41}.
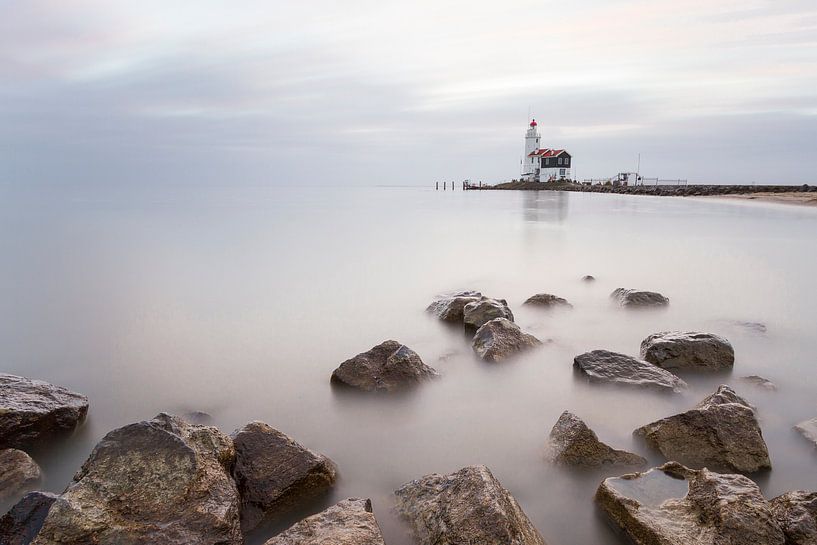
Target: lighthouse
{"x":543,"y":164}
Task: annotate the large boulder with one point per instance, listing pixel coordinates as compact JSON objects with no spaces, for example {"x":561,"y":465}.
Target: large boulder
{"x":615,"y":368}
{"x":547,"y":300}
{"x":23,"y":521}
{"x":386,"y":367}
{"x":350,"y":522}
{"x":18,"y":473}
{"x":449,"y":308}
{"x":636,"y":298}
{"x":688,"y":351}
{"x":484,"y":310}
{"x":572,"y":443}
{"x":500,"y":339}
{"x":158,"y":481}
{"x":273,"y":472}
{"x":33,"y":411}
{"x":796,"y":513}
{"x":808,"y":429}
{"x":469,"y":506}
{"x":673,"y":505}
{"x":721,"y":433}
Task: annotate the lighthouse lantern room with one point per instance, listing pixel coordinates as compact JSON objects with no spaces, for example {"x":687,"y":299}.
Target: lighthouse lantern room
{"x":543,"y":164}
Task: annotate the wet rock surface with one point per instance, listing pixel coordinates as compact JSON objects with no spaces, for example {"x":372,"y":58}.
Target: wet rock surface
{"x":688,"y":351}
{"x":572,"y":443}
{"x":589,"y":278}
{"x":721,"y":433}
{"x":23,"y":521}
{"x":615,"y":368}
{"x":673,"y":505}
{"x":350,"y":522}
{"x":449,"y":308}
{"x":386,"y":367}
{"x":18,"y":473}
{"x":469,"y":506}
{"x":158,"y":481}
{"x":796,"y":513}
{"x":33,"y":412}
{"x":547,"y":300}
{"x":808,"y":429}
{"x":638,"y":299}
{"x":500,"y":339}
{"x":484,"y":310}
{"x":273,"y":472}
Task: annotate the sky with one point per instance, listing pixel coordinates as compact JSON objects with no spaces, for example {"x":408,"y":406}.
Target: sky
{"x":380,"y":92}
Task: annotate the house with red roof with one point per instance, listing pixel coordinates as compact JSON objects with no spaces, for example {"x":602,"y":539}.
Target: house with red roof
{"x":543,"y":164}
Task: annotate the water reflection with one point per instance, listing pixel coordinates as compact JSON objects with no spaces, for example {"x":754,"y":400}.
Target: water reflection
{"x":545,"y":206}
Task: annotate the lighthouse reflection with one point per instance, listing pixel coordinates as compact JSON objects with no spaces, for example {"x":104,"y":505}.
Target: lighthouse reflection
{"x":545,"y":206}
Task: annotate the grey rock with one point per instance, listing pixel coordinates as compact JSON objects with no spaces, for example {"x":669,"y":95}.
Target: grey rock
{"x":572,"y":443}
{"x":33,"y":412}
{"x":673,"y":505}
{"x":449,"y":308}
{"x":589,"y":278}
{"x":500,"y":339}
{"x":23,"y":521}
{"x":18,"y":473}
{"x":477,"y":313}
{"x":721,"y":433}
{"x":469,"y":506}
{"x":688,"y":351}
{"x":808,"y":429}
{"x":386,"y":367}
{"x":796,"y":513}
{"x":615,"y":368}
{"x":159,"y":481}
{"x":636,"y":298}
{"x":350,"y":522}
{"x":273,"y":472}
{"x":547,"y":300}
{"x":760,"y":382}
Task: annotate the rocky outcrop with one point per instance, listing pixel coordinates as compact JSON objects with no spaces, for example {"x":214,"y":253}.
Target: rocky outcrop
{"x":572,"y":443}
{"x":350,"y":522}
{"x":500,"y":339}
{"x":159,"y":481}
{"x":688,"y":351}
{"x":547,"y":300}
{"x":469,"y":506}
{"x":387,"y":367}
{"x":273,"y":472}
{"x":796,"y":513}
{"x":615,"y":368}
{"x":477,"y":313}
{"x":23,"y":521}
{"x":449,"y":308}
{"x":33,"y":411}
{"x":808,"y":429}
{"x":18,"y":473}
{"x":639,"y":299}
{"x":589,"y":278}
{"x":673,"y":505}
{"x":721,"y":433}
{"x":760,"y":382}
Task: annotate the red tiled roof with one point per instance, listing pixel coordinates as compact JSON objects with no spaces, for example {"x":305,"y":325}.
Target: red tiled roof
{"x":546,"y":152}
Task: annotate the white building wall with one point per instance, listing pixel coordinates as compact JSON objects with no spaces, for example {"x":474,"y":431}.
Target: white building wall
{"x":530,"y":164}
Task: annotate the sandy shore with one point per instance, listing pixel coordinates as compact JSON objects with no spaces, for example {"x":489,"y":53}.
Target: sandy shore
{"x":794,"y":197}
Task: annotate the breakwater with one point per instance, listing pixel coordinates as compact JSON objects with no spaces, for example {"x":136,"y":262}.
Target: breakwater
{"x":660,"y":190}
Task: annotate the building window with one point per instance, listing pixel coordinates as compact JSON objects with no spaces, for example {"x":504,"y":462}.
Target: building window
{"x":567,"y":161}
{"x":560,"y":160}
{"x":561,"y":172}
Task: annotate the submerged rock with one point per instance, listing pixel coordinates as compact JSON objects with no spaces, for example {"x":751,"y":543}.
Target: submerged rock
{"x":612,"y":367}
{"x":386,"y":367}
{"x":484,"y":310}
{"x":760,"y":382}
{"x":808,"y":429}
{"x":449,"y":308}
{"x":721,"y":433}
{"x":673,"y":505}
{"x":688,"y":351}
{"x":589,"y":278}
{"x":572,"y":443}
{"x":547,"y":300}
{"x":796,"y":513}
{"x":635,"y":298}
{"x":18,"y":473}
{"x":23,"y":521}
{"x":274,"y":472}
{"x":350,"y":522}
{"x":500,"y":339}
{"x":33,"y":411}
{"x":158,"y":481}
{"x":469,"y":506}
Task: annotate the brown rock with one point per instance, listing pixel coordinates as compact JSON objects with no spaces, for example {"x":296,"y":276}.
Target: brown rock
{"x":387,"y":367}
{"x":572,"y":443}
{"x":500,"y":339}
{"x":18,"y":473}
{"x":350,"y":522}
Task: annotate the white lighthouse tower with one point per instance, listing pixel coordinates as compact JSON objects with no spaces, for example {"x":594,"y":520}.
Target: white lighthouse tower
{"x":530,"y":163}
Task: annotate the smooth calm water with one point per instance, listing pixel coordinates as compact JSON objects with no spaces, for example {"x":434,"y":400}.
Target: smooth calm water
{"x":240,"y":301}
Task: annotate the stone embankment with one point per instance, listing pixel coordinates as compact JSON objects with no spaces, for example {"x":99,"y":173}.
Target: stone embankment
{"x":658,"y":190}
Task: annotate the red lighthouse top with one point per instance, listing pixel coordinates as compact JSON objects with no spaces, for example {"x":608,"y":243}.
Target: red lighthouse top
{"x":533,"y":123}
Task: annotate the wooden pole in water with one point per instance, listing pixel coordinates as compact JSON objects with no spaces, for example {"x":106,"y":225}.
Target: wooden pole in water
{"x":444,"y":185}
{"x":437,"y":186}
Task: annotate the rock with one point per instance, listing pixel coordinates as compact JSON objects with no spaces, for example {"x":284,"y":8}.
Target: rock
{"x":808,"y":429}
{"x":500,"y":339}
{"x":159,"y":481}
{"x":273,"y":472}
{"x":469,"y":506}
{"x":589,"y":278}
{"x":18,"y":473}
{"x":760,"y":382}
{"x":350,"y":522}
{"x":612,"y":367}
{"x":198,"y":417}
{"x":635,"y":298}
{"x":688,"y":351}
{"x":720,"y":433}
{"x":386,"y":367}
{"x":33,"y":411}
{"x":449,"y":308}
{"x":547,"y":300}
{"x":796,"y":513}
{"x":754,"y":327}
{"x":477,"y":313}
{"x":23,"y":521}
{"x":572,"y":443}
{"x":673,"y":505}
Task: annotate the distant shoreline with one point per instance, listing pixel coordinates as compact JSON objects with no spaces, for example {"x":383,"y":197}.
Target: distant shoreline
{"x":800,"y":198}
